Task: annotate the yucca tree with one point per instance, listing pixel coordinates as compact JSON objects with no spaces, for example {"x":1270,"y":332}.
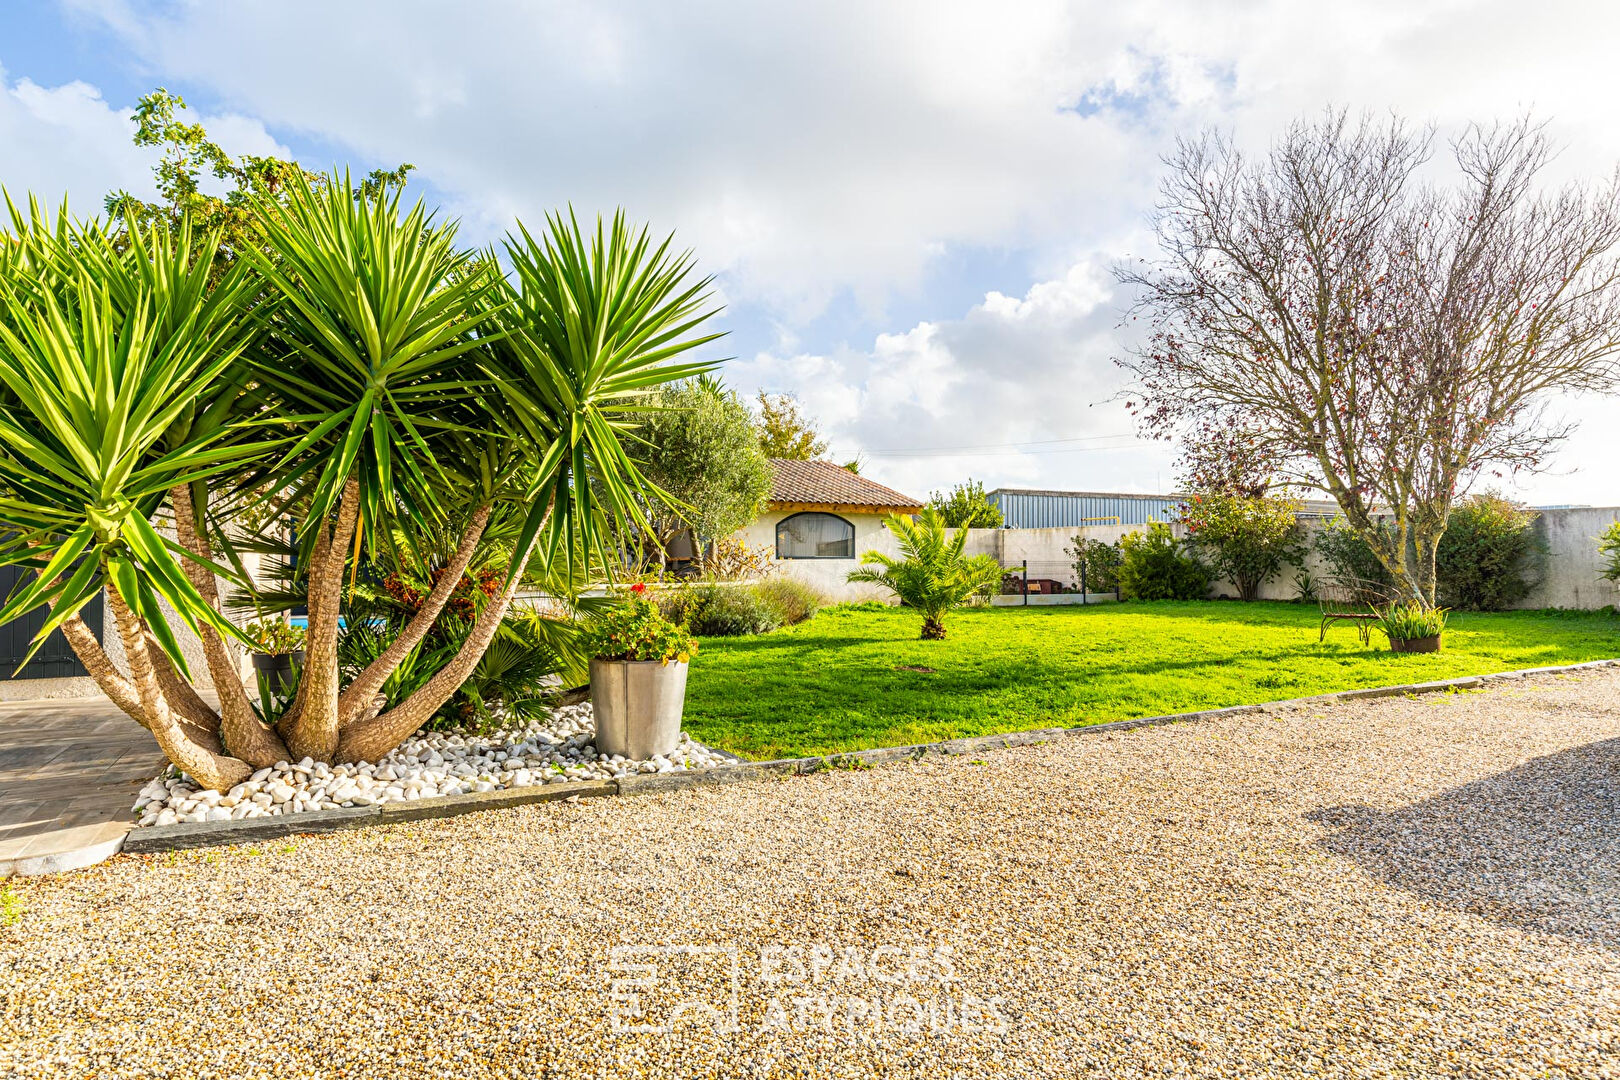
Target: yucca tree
{"x":120,"y":364}
{"x":374,"y":312}
{"x":933,"y":574}
{"x":427,"y":389}
{"x":359,"y":366}
{"x":592,"y":323}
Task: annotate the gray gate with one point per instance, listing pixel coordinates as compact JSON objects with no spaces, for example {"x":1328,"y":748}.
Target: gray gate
{"x":55,"y":659}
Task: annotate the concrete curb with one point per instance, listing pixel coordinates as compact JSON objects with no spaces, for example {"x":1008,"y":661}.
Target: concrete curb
{"x":251,"y":830}
{"x":63,"y":849}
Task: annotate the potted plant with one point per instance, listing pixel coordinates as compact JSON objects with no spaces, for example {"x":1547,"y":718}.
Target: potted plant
{"x":280,"y":650}
{"x":638,"y":678}
{"x":1413,"y":627}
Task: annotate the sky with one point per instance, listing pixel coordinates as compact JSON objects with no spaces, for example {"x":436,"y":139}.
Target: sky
{"x":911,"y":210}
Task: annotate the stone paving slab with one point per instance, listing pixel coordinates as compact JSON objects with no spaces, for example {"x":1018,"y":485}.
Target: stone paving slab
{"x":69,"y":773}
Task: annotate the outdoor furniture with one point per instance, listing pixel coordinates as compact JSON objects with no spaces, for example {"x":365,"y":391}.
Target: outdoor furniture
{"x":1351,"y":600}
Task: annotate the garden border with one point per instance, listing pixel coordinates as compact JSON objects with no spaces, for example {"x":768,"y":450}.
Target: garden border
{"x":249,"y":830}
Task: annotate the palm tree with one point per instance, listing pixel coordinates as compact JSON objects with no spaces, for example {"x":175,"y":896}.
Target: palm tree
{"x":932,"y":573}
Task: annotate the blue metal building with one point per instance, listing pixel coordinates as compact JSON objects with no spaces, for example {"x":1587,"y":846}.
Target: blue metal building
{"x":1026,"y":509}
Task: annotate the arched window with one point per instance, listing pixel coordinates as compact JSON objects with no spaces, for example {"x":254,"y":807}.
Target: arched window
{"x":815,"y":536}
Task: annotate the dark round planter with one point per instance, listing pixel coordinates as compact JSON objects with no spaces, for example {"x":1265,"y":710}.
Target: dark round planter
{"x":277,"y":669}
{"x":1418,"y":644}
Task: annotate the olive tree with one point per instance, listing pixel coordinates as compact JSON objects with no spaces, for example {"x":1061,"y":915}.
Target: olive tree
{"x":699,"y":446}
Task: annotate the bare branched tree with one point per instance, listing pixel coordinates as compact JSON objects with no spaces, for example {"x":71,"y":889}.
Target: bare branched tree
{"x":1321,"y":313}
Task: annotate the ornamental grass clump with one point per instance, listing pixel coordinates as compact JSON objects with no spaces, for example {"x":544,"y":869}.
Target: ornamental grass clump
{"x":637,"y":630}
{"x":1411,"y":622}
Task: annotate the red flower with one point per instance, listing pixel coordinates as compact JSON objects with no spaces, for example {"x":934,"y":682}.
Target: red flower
{"x":638,"y":588}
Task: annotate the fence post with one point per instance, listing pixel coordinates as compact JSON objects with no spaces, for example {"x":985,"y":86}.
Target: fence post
{"x":1026,"y":583}
{"x":1082,"y":583}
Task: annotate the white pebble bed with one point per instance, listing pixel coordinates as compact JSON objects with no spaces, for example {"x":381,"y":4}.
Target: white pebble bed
{"x":552,"y":750}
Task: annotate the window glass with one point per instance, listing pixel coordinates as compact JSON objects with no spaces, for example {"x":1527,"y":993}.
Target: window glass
{"x":815,"y":536}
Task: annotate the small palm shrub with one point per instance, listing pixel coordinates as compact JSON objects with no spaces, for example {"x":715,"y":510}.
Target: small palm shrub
{"x":1305,"y":587}
{"x":1609,"y":548}
{"x":932,"y":574}
{"x":1155,"y":566}
{"x":793,"y":601}
{"x":515,"y":678}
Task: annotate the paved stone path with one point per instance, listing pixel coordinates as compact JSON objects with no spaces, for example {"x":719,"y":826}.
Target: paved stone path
{"x":69,"y":771}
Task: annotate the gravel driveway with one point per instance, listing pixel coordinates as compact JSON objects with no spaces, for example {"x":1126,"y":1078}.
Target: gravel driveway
{"x":1406,"y":887}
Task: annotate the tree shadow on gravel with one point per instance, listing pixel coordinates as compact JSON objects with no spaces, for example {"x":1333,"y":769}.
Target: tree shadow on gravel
{"x":1536,"y":847}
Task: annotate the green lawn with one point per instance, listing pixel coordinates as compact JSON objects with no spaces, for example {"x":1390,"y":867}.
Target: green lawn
{"x":837,"y":682}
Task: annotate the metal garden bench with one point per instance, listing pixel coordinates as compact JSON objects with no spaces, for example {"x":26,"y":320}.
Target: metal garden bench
{"x":1351,"y":600}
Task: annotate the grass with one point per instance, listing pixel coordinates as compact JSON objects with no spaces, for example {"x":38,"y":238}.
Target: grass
{"x":857,"y":677}
{"x":11,"y":905}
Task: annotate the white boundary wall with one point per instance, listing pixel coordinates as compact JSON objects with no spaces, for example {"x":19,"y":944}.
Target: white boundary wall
{"x":1572,"y":578}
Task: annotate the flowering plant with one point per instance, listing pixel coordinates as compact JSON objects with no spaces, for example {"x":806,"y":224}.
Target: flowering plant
{"x":275,"y":637}
{"x":637,"y":630}
{"x":463,"y":601}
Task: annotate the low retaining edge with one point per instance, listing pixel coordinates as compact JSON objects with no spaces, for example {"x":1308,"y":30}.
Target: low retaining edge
{"x":251,"y":830}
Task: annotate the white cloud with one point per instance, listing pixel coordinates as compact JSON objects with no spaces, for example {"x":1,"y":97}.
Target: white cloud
{"x":968,"y":396}
{"x":814,"y":152}
{"x":68,"y":141}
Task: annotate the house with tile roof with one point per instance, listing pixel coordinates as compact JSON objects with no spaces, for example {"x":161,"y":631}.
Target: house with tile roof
{"x":820,"y":518}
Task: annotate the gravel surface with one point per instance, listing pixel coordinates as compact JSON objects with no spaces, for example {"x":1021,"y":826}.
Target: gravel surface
{"x":559,"y":748}
{"x":1404,"y":887}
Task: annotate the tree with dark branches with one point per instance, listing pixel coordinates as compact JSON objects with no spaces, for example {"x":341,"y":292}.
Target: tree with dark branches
{"x":1323,"y":316}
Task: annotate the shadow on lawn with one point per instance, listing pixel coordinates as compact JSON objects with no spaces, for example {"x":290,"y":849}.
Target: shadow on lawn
{"x":1536,"y":847}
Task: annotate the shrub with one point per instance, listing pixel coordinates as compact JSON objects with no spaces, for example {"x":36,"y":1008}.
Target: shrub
{"x":732,"y":560}
{"x":966,"y":507}
{"x":1154,"y":566}
{"x":726,"y":611}
{"x":1100,"y":560}
{"x":275,"y":637}
{"x":1246,"y":540}
{"x":1348,"y":556}
{"x":791,"y":600}
{"x":1490,"y":555}
{"x":1609,"y":548}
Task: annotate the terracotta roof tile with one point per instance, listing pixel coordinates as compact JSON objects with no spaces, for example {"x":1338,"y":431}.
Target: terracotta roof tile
{"x":822,"y":483}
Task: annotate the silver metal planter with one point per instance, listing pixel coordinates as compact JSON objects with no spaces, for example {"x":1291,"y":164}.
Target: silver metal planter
{"x":637,"y":705}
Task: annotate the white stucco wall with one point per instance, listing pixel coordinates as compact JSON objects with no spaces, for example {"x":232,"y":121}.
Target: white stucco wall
{"x":1573,"y":564}
{"x":826,"y":576}
{"x":1572,"y":579}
